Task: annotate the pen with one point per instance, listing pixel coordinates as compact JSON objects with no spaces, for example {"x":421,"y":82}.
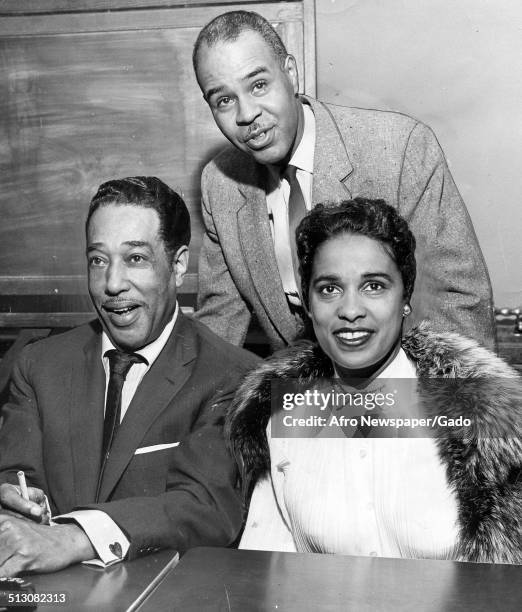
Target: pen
{"x":25,"y":494}
{"x":23,"y":485}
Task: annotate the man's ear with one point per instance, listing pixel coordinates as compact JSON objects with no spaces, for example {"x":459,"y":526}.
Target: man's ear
{"x":290,"y":67}
{"x":180,"y":264}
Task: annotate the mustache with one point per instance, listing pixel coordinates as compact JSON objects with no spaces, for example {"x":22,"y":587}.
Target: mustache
{"x":254,"y":127}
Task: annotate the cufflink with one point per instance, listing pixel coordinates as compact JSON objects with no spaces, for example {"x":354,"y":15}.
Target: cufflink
{"x":116,"y":550}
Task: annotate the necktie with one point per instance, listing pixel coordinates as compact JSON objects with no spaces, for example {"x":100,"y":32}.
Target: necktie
{"x":119,"y":363}
{"x":296,"y":211}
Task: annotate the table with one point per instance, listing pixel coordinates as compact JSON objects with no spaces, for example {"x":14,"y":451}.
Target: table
{"x":246,"y":581}
{"x":118,"y":588}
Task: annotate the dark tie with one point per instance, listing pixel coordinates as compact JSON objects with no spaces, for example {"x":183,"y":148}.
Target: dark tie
{"x":120,"y":363}
{"x":296,"y":211}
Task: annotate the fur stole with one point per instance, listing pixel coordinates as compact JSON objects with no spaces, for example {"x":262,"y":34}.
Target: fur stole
{"x":483,"y":462}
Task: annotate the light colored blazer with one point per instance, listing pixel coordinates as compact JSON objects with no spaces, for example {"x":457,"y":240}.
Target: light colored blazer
{"x":358,"y":152}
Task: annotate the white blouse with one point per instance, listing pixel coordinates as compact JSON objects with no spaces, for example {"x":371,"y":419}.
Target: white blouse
{"x":386,"y":497}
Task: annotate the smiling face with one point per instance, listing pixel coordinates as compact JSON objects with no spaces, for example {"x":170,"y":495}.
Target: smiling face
{"x":356,"y":301}
{"x":132,"y":282}
{"x":252,"y":98}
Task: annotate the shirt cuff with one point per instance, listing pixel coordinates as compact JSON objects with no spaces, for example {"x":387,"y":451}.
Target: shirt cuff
{"x":107,"y":539}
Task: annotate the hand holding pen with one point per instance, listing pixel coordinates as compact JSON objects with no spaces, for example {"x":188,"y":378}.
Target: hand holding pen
{"x":30,"y":502}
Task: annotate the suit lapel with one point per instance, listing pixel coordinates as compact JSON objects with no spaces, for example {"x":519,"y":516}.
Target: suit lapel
{"x":159,"y":386}
{"x":258,"y":252}
{"x":332,"y":165}
{"x":86,"y":420}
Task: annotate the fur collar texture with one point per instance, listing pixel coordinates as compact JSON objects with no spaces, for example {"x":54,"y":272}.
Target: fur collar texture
{"x":483,"y":466}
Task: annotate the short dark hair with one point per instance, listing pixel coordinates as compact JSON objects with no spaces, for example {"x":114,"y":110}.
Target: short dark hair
{"x":372,"y":218}
{"x":148,"y":192}
{"x":229,"y":26}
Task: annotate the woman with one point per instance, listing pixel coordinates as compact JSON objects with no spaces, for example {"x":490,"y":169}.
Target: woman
{"x":455,"y":494}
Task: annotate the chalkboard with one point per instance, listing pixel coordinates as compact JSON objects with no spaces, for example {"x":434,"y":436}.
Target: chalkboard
{"x":87,"y":95}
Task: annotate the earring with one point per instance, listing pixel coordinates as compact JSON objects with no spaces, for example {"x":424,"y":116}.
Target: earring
{"x":406,"y":310}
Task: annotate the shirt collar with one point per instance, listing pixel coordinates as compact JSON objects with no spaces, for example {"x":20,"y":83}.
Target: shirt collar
{"x":151,"y":351}
{"x":400,"y":367}
{"x":303,"y":157}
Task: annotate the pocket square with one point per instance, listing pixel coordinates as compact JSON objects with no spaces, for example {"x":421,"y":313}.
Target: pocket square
{"x":155,"y":447}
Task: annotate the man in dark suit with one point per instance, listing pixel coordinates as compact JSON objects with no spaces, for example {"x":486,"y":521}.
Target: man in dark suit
{"x":290,"y":152}
{"x":119,"y":422}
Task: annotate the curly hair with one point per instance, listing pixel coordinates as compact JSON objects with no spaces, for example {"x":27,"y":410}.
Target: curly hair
{"x":372,"y":218}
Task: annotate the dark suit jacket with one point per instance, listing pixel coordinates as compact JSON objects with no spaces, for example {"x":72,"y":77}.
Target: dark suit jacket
{"x":180,"y":497}
{"x":358,"y":152}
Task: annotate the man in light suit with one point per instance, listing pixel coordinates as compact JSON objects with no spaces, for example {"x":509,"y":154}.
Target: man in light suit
{"x":132,"y":459}
{"x":250,"y":84}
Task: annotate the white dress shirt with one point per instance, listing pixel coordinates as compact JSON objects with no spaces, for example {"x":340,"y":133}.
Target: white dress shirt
{"x":386,"y":497}
{"x":99,"y":527}
{"x":278,"y":188}
{"x":138,"y":370}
